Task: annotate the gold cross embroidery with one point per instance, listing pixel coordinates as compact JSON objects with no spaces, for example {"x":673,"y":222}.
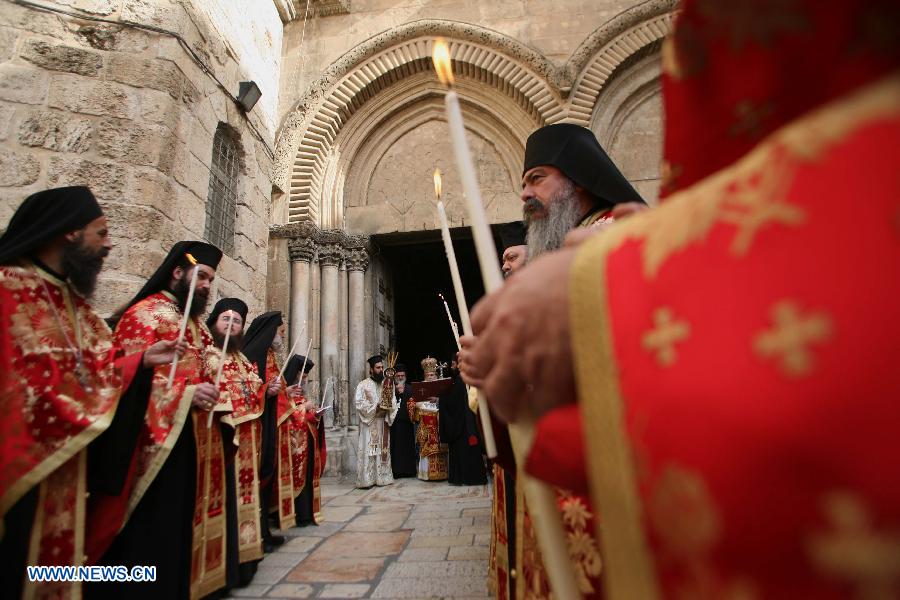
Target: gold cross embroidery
{"x":760,"y":200}
{"x":666,"y":332}
{"x":853,"y":550}
{"x":790,"y":336}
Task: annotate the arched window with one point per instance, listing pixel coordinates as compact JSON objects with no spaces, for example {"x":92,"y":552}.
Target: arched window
{"x":221,"y":201}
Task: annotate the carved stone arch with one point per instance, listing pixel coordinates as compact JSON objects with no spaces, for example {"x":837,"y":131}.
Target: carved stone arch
{"x":601,"y":54}
{"x":479,"y":55}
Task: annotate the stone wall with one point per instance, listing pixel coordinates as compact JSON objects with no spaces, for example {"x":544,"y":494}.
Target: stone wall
{"x":131,"y":113}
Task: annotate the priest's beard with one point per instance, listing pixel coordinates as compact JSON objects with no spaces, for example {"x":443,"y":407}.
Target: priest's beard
{"x":82,"y":265}
{"x":235,"y":341}
{"x":548,"y":225}
{"x":377,"y":377}
{"x":201,"y":297}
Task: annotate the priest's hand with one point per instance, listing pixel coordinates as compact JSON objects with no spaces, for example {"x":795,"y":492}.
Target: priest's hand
{"x":521,"y":353}
{"x":205,"y":396}
{"x":274,"y":387}
{"x":294,"y":391}
{"x":163,"y":352}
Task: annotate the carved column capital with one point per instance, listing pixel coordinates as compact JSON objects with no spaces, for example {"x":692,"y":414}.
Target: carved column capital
{"x":357,"y":253}
{"x":302,"y":249}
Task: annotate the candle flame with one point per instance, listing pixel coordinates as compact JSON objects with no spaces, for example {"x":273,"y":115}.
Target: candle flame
{"x":441,"y":296}
{"x":440,"y":56}
{"x":191,"y":258}
{"x":437,"y":183}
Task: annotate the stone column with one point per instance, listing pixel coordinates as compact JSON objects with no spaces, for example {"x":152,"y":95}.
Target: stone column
{"x":357,"y":262}
{"x":302,"y":252}
{"x":343,"y":347}
{"x":331,"y":253}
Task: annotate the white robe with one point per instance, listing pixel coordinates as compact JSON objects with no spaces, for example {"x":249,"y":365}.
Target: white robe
{"x":373,"y":453}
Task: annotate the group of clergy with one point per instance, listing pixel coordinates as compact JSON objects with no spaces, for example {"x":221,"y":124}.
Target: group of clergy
{"x":169,"y":440}
{"x":434,"y":437}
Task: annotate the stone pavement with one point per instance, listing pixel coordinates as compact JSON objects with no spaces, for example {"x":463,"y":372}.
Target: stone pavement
{"x":413,"y":539}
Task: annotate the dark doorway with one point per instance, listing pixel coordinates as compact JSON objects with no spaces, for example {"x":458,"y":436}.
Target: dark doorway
{"x":420,"y":272}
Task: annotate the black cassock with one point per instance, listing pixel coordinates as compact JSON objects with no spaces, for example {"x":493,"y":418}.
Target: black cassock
{"x":160,"y":530}
{"x":459,"y":430}
{"x":403,"y":439}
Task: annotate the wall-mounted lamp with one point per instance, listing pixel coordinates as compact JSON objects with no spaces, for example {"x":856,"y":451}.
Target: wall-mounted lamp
{"x":248,"y":95}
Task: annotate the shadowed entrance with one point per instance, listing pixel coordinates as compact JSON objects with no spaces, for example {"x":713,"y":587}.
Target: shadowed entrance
{"x":420,"y":272}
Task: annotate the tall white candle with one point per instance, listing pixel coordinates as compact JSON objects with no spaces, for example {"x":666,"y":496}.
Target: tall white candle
{"x":184,"y":319}
{"x":490,"y":444}
{"x":291,"y":353}
{"x":451,"y":321}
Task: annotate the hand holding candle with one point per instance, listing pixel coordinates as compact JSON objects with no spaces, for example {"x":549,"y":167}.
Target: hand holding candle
{"x":541,"y":500}
{"x":186,"y":316}
{"x":222,"y":360}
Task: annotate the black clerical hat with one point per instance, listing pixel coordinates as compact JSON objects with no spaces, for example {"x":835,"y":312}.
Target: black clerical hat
{"x":258,"y":339}
{"x":293,"y":368}
{"x":575,"y":151}
{"x":44,"y":216}
{"x":224,"y":304}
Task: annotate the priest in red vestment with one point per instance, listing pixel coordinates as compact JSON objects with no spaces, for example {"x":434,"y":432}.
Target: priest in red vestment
{"x":241,"y":389}
{"x":264,"y":339}
{"x":311,"y":454}
{"x":170,"y":470}
{"x":732,"y":350}
{"x":71,"y":402}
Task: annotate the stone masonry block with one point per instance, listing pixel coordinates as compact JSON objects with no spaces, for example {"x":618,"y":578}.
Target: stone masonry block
{"x":92,"y":97}
{"x":18,"y":168}
{"x":157,"y":74}
{"x":57,"y":57}
{"x":23,"y":84}
{"x":106,"y":179}
{"x":55,"y":131}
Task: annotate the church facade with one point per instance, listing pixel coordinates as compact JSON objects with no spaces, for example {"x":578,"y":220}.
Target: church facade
{"x":138,"y":99}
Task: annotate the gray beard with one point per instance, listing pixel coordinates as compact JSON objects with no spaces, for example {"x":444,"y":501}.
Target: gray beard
{"x":547,"y":233}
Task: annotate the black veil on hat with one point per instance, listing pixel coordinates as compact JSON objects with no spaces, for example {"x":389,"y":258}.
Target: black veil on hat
{"x":224,"y":304}
{"x":575,"y":151}
{"x":203,"y":253}
{"x":44,"y":216}
{"x":374,"y":360}
{"x":293,"y":368}
{"x":258,"y":339}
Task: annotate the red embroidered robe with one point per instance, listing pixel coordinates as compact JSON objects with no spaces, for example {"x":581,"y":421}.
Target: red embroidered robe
{"x":242,"y":388}
{"x":307,"y":426}
{"x":52,"y":410}
{"x":287,"y":442}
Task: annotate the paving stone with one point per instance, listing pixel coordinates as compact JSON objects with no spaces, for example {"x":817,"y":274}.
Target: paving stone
{"x":254,"y":590}
{"x":270,"y":575}
{"x":282,"y":559}
{"x":424,"y":554}
{"x":437,"y":569}
{"x":337,"y":570}
{"x":425,"y":521}
{"x":482,"y":539}
{"x":469,"y":552}
{"x":339,"y":513}
{"x":431,"y":587}
{"x":440,"y":541}
{"x":300,"y":544}
{"x":392,"y":508}
{"x":291,"y":590}
{"x":384,"y":521}
{"x":344,"y":590}
{"x":437,"y":529}
{"x":476,"y":512}
{"x":323,"y":530}
{"x":478,"y":529}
